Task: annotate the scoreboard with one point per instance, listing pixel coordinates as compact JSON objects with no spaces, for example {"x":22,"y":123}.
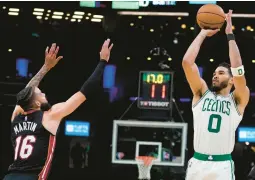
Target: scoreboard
{"x":155,"y":90}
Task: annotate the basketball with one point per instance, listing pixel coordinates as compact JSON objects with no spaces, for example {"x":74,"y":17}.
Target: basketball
{"x":210,"y":16}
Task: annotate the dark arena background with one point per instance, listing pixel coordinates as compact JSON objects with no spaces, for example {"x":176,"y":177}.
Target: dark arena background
{"x":143,"y":81}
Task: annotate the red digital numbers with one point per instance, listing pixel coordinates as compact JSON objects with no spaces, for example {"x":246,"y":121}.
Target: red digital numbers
{"x":163,"y":94}
{"x":163,"y":91}
{"x":153,"y":91}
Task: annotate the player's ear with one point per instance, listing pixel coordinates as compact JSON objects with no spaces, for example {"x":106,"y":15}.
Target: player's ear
{"x":231,"y":81}
{"x":37,"y":103}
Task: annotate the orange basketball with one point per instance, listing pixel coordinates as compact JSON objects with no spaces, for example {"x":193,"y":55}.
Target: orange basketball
{"x":210,"y":16}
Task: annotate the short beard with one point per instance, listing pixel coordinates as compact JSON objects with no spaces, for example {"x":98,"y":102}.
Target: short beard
{"x":222,"y":85}
{"x":45,"y":106}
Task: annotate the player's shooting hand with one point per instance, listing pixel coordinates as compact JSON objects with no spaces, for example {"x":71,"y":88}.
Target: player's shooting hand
{"x":106,"y":50}
{"x":51,"y":58}
{"x":229,"y":22}
{"x":208,"y":32}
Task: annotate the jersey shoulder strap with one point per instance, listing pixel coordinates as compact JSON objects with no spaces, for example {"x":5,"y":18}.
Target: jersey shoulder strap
{"x":202,"y":97}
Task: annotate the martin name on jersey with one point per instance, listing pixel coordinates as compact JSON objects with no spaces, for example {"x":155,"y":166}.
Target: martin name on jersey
{"x":24,"y":126}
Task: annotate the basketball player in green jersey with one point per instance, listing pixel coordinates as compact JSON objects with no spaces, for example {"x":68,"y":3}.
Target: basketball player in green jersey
{"x":216,"y":111}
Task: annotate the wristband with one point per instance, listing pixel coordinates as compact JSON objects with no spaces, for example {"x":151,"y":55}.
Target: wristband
{"x":231,"y":37}
{"x":239,"y":71}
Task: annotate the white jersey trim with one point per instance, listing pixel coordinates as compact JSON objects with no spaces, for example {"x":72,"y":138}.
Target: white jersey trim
{"x":233,"y":99}
{"x":202,"y":97}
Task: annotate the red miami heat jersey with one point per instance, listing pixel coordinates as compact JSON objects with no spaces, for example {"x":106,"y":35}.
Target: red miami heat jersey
{"x":33,"y":145}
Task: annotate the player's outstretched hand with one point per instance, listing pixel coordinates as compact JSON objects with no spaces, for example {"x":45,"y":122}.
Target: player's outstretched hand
{"x":229,"y":22}
{"x":208,"y":32}
{"x":106,"y":50}
{"x":51,"y":58}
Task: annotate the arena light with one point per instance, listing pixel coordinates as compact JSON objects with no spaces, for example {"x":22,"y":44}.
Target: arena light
{"x":66,"y":18}
{"x":96,"y":20}
{"x":248,"y":28}
{"x":183,"y":26}
{"x":201,"y":70}
{"x":169,"y":59}
{"x":77,"y":17}
{"x":58,"y":13}
{"x":14,"y":9}
{"x":39,"y":9}
{"x":185,"y":100}
{"x":22,"y":66}
{"x":253,"y":61}
{"x":140,"y":13}
{"x":47,"y":14}
{"x":243,"y":15}
{"x":56,"y":17}
{"x":148,"y":58}
{"x":79,"y":13}
{"x":192,"y":28}
{"x":128,"y":58}
{"x":89,"y":14}
{"x":87,"y":17}
{"x":68,"y":14}
{"x":175,"y":41}
{"x":37,"y":13}
{"x":98,"y":16}
{"x":49,"y":11}
{"x":79,"y":20}
{"x":4,"y":7}
{"x":46,"y":18}
{"x":109,"y":76}
{"x":132,"y":24}
{"x":151,"y":30}
{"x":9,"y":50}
{"x":38,"y":17}
{"x":73,"y":20}
{"x":13,"y":13}
{"x":211,"y":60}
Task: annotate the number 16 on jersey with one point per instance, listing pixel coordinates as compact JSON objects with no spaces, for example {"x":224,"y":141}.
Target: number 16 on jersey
{"x":24,"y":146}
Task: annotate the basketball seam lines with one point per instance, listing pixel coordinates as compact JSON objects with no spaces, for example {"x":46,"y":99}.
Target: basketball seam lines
{"x":212,"y":13}
{"x":208,"y":23}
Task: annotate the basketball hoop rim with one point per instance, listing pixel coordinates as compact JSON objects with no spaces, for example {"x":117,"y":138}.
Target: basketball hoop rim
{"x":142,"y":159}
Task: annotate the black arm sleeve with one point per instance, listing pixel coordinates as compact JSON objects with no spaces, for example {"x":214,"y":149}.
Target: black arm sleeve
{"x":93,"y":81}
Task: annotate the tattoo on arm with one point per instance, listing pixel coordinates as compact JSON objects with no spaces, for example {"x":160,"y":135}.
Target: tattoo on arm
{"x":34,"y":82}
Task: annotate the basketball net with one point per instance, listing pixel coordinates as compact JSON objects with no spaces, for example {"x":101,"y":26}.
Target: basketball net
{"x":144,"y":164}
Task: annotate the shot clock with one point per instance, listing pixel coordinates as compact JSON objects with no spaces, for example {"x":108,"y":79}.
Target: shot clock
{"x":155,"y":90}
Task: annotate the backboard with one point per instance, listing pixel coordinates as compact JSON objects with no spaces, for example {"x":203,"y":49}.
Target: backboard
{"x":166,"y":141}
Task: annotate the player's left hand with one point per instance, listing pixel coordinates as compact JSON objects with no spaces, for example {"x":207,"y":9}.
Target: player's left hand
{"x":229,"y":22}
{"x":51,"y":58}
{"x":106,"y":50}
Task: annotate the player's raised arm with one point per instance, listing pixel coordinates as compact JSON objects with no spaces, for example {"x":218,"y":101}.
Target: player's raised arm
{"x":241,"y":92}
{"x":51,"y":60}
{"x":197,"y":84}
{"x":87,"y":89}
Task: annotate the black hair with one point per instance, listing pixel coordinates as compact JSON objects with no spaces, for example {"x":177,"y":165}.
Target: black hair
{"x":25,"y":98}
{"x":226,"y":65}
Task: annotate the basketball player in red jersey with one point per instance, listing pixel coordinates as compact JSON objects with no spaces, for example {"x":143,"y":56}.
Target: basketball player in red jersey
{"x":34,"y":122}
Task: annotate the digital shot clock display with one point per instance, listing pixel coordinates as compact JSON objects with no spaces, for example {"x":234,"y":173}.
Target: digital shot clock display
{"x":155,"y":90}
